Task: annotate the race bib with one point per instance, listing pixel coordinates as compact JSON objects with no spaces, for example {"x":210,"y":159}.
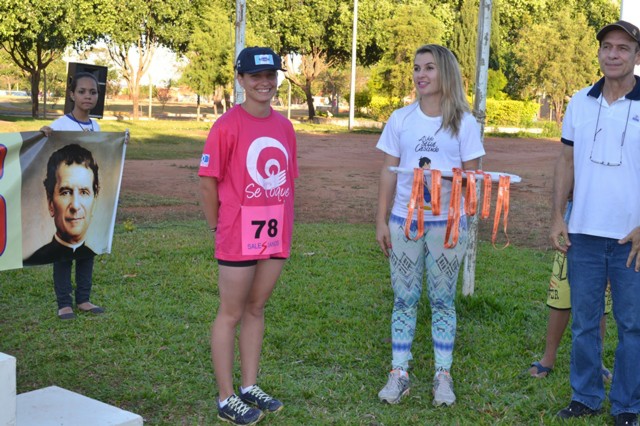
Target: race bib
{"x":262,"y":229}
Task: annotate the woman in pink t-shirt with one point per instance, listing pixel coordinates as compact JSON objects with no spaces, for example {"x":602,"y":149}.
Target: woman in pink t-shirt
{"x":247,"y":177}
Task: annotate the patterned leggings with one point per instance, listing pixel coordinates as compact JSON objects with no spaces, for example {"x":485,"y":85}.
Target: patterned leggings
{"x":409,"y":259}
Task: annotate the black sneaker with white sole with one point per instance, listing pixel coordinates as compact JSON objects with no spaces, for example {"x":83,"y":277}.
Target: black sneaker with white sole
{"x":238,"y":412}
{"x":259,"y":398}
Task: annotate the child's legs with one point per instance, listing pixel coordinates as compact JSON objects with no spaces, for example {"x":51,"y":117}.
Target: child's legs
{"x":252,"y":327}
{"x":84,"y":279}
{"x":234,"y":286}
{"x":407,"y":265}
{"x":442,"y":267}
{"x":62,"y":283}
{"x":557,"y":324}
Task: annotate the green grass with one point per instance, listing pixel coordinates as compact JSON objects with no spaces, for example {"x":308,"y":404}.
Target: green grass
{"x":160,"y":139}
{"x":326,"y":351}
{"x":150,"y":140}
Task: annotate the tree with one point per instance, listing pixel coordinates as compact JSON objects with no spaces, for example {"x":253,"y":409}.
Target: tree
{"x":210,"y":55}
{"x":463,"y":44}
{"x":35,"y":32}
{"x":56,"y":83}
{"x":11,"y":76}
{"x":409,"y":27}
{"x":164,"y":94}
{"x":556,"y":58}
{"x":496,"y":81}
{"x":133,"y":30}
{"x":335,"y":81}
{"x":599,"y":12}
{"x":319,"y":33}
{"x":100,"y":56}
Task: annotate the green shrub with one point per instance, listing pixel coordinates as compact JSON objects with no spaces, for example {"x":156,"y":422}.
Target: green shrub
{"x":381,"y":107}
{"x":550,"y":129}
{"x":362,"y":99}
{"x":511,"y":113}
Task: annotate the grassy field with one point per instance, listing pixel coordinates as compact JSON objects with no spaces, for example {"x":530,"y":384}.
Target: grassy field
{"x":327,"y":348}
{"x":158,"y":139}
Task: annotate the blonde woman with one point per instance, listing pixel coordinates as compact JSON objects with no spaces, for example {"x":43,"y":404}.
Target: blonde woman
{"x":438,"y":126}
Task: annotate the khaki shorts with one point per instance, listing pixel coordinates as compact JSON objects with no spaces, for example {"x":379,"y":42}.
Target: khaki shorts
{"x":559,"y":295}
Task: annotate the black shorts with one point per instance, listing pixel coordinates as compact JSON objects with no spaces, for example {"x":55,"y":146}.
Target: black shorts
{"x":243,"y":263}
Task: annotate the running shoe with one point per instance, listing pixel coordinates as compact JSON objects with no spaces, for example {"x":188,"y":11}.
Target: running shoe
{"x":258,"y":398}
{"x":443,"y":389}
{"x":239,"y":413}
{"x":397,"y":386}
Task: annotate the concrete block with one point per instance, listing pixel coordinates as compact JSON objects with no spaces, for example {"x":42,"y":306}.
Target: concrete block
{"x":54,"y":406}
{"x":7,"y":390}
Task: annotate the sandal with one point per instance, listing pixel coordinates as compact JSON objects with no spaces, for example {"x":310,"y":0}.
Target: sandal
{"x":607,"y":377}
{"x":541,"y":370}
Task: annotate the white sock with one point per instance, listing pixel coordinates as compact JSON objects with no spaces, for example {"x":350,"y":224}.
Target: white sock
{"x":245,"y":390}
{"x":222,"y":404}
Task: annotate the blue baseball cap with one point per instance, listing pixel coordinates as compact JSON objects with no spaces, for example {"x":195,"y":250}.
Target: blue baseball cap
{"x":252,"y":60}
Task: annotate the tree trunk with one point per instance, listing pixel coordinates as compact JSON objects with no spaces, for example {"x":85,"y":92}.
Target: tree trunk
{"x":558,"y":106}
{"x":35,"y":87}
{"x":134,"y":88}
{"x":197,"y":107}
{"x":135,"y":99}
{"x":309,"y":96}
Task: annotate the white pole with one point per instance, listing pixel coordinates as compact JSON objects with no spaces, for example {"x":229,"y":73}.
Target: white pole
{"x":150,"y":94}
{"x":479,"y":111}
{"x":241,"y":22}
{"x":289,"y":100}
{"x":630,"y":12}
{"x":354,"y":37}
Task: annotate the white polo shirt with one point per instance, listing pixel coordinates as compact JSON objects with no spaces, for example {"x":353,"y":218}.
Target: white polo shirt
{"x":606,"y":157}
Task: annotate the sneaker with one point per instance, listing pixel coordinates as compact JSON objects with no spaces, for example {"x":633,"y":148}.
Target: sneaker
{"x":397,"y":386}
{"x":626,"y":419}
{"x":258,"y":398}
{"x":239,"y":413}
{"x":443,"y":389}
{"x":576,"y":409}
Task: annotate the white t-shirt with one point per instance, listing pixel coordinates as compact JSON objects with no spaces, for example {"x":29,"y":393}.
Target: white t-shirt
{"x":69,"y":123}
{"x":606,"y":198}
{"x":411,"y":135}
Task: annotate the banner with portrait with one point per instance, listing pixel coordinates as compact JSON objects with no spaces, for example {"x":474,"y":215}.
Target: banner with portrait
{"x":58,"y":195}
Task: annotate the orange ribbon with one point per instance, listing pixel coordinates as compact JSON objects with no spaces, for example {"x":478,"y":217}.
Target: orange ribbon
{"x":503,"y":201}
{"x":436,"y":185}
{"x":453,"y":219}
{"x":416,"y":201}
{"x":471,"y":200}
{"x":452,"y":233}
{"x":486,"y":198}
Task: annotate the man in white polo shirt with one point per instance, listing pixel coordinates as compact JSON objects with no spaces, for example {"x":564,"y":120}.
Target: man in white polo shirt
{"x":600,"y":159}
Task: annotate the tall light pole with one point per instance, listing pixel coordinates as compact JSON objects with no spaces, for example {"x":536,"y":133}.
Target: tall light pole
{"x":354,"y":37}
{"x":241,"y":23}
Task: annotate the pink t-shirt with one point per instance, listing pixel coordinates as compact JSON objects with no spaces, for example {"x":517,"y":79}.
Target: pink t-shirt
{"x":254,"y":162}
